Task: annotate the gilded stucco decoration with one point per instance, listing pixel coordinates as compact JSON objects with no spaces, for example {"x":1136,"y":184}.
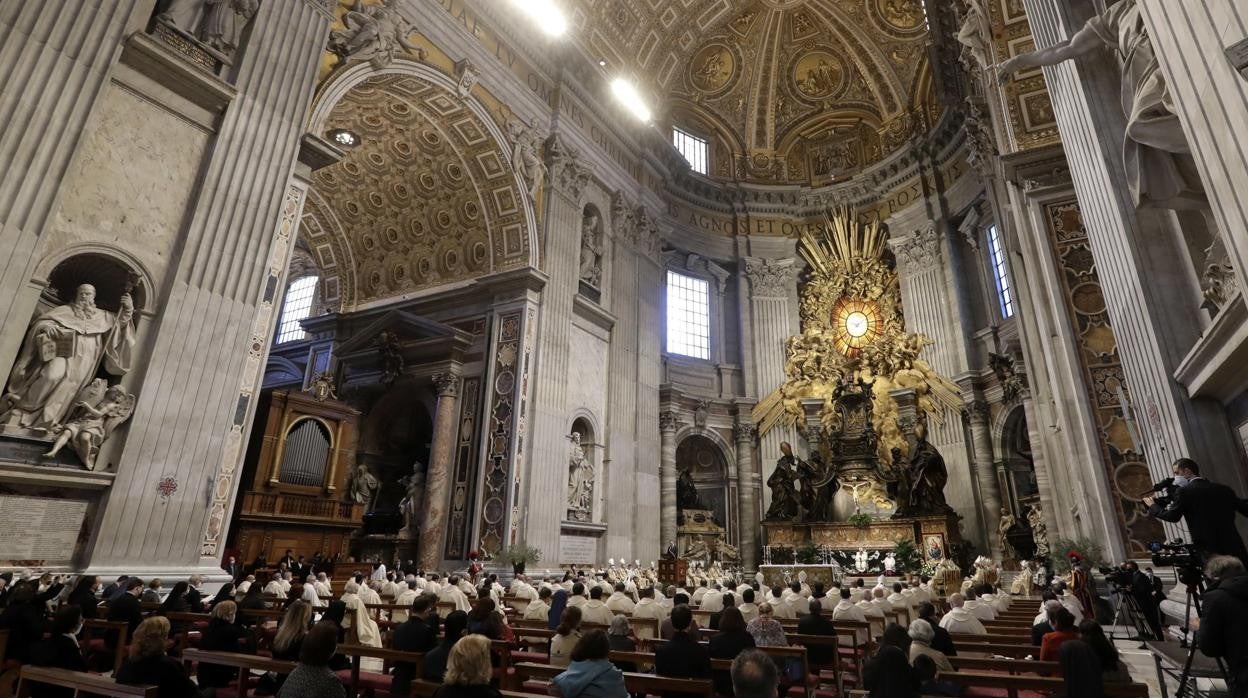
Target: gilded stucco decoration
{"x":1028,"y":108}
{"x":429,"y":197}
{"x":853,"y":330}
{"x":786,"y":91}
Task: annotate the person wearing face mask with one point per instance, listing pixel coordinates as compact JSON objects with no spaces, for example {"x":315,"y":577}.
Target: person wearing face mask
{"x":1207,"y":508}
{"x":60,"y":649}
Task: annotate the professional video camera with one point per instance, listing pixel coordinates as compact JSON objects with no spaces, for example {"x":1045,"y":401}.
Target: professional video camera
{"x":1184,"y":557}
{"x":1117,"y":576}
{"x":1168,"y":487}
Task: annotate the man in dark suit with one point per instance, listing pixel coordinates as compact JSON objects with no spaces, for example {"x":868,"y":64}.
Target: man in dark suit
{"x":815,"y":624}
{"x":1044,"y":627}
{"x":682,"y":657}
{"x":1142,"y":590}
{"x":1208,"y":509}
{"x":127,"y":607}
{"x":419,"y":633}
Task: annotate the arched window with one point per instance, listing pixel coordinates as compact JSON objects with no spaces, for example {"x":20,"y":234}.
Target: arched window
{"x":297,"y":306}
{"x":1000,"y":273}
{"x":306,"y":454}
{"x":688,"y":315}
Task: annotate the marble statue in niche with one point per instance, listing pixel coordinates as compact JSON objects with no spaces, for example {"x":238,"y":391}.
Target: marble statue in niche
{"x":1158,"y":160}
{"x":100,"y":409}
{"x":784,"y":500}
{"x":687,"y":496}
{"x":974,"y":34}
{"x":63,"y":352}
{"x":526,"y":158}
{"x":580,"y":482}
{"x":591,"y":250}
{"x":928,"y":476}
{"x":1039,"y":530}
{"x":375,"y":33}
{"x":1003,"y":534}
{"x":217,"y":23}
{"x":414,"y":494}
{"x":363,"y":487}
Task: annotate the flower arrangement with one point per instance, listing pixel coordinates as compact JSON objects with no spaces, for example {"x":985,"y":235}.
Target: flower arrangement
{"x":860,"y":520}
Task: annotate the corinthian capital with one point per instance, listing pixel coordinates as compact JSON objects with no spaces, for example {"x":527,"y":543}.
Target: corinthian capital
{"x":669,"y":421}
{"x":745,"y":432}
{"x":922,"y":249}
{"x":447,"y":384}
{"x":769,"y":278}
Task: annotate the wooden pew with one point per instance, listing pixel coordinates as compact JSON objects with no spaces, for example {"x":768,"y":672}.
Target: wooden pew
{"x":1013,"y":639}
{"x":1013,"y":683}
{"x":245,"y":663}
{"x":636,"y":683}
{"x":1014,"y":651}
{"x":81,"y":682}
{"x":832,"y":641}
{"x":426,"y":689}
{"x":389,"y":658}
{"x":120,"y":629}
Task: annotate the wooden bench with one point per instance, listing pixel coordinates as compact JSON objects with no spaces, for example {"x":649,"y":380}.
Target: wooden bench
{"x":425,"y":689}
{"x":1013,"y":683}
{"x":120,"y":628}
{"x":82,"y":683}
{"x":389,"y":658}
{"x":830,"y":641}
{"x":245,"y":663}
{"x":636,"y":683}
{"x":1014,"y":651}
{"x":959,"y":638}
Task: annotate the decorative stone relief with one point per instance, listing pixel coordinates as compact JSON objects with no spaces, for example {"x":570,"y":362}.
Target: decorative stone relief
{"x":591,"y":250}
{"x":412,"y":503}
{"x":745,"y":432}
{"x":447,"y":384}
{"x":375,"y":33}
{"x":669,"y":421}
{"x":1218,"y":282}
{"x":526,"y":159}
{"x":975,"y":35}
{"x":64,"y":348}
{"x":769,"y":278}
{"x":98,"y":411}
{"x":391,"y":357}
{"x":701,"y":413}
{"x":1013,"y":383}
{"x":567,"y":174}
{"x":635,"y":227}
{"x":217,"y":23}
{"x":466,"y":75}
{"x":580,"y":482}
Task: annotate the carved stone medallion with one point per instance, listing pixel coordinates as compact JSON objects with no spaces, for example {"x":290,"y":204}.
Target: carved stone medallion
{"x":818,"y":75}
{"x":713,"y":68}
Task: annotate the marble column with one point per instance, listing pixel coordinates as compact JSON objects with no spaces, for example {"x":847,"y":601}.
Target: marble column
{"x":54,"y":66}
{"x":668,"y":425}
{"x":438,"y":479}
{"x":196,"y":399}
{"x":771,"y":283}
{"x":746,"y":434}
{"x":551,"y":420}
{"x":985,"y":472}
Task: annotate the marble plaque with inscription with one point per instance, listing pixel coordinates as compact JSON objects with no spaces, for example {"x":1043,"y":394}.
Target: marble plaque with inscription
{"x":48,"y":533}
{"x":578,"y":550}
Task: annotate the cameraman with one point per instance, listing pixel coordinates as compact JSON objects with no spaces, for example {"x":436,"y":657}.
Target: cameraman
{"x":1220,"y":629}
{"x":1142,"y":589}
{"x":1208,"y":508}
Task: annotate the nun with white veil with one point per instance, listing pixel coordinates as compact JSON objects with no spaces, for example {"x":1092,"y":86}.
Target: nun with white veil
{"x":366,"y":631}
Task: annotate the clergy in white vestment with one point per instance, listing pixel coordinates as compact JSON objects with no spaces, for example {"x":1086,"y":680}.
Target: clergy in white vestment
{"x":620,"y":602}
{"x":978,"y":608}
{"x":369,"y":595}
{"x":848,"y":610}
{"x":699,"y":593}
{"x":365,"y":628}
{"x":713,"y":600}
{"x":960,"y":620}
{"x":595,"y":610}
{"x":274,"y":588}
{"x":780,"y":609}
{"x":749,"y":609}
{"x":578,"y":597}
{"x":451,"y":593}
{"x":379,"y":573}
{"x":539,"y":609}
{"x":878,"y":598}
{"x":648,"y":607}
{"x":404,"y":598}
{"x":322,"y":585}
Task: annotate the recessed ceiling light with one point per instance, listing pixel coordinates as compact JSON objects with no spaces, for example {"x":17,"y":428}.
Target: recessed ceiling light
{"x":547,"y":15}
{"x":343,"y":137}
{"x":630,"y":98}
{"x":602,"y":63}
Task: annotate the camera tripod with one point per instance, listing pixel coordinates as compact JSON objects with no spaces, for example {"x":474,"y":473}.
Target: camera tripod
{"x":1126,"y":607}
{"x":1195,"y":589}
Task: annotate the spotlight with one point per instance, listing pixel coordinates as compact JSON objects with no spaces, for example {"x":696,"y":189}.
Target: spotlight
{"x":343,"y":137}
{"x":546,"y":13}
{"x":628,"y":96}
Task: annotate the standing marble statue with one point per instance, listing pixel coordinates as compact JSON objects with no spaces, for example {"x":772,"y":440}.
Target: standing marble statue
{"x":580,"y":482}
{"x":783,"y":493}
{"x":1039,"y":530}
{"x":1003,"y":534}
{"x":526,"y":159}
{"x":217,"y":23}
{"x":363,"y":487}
{"x":591,"y":251}
{"x":928,"y":477}
{"x":975,"y":33}
{"x":1156,"y":155}
{"x":375,"y":33}
{"x":62,"y":353}
{"x":413,"y":496}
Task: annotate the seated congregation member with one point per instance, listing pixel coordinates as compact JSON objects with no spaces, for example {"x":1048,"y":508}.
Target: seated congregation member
{"x":595,"y":610}
{"x":312,"y":675}
{"x":362,"y":625}
{"x":225,"y":593}
{"x":888,"y":673}
{"x":194,"y":597}
{"x":925,"y":668}
{"x":731,"y":640}
{"x":921,"y":635}
{"x":83,"y":595}
{"x":941,"y":640}
{"x":484,"y":619}
{"x":152,"y":593}
{"x":647,"y":607}
{"x":846,"y":609}
{"x":591,"y":674}
{"x":620,"y":602}
{"x":1063,"y":623}
{"x":127,"y":607}
{"x":728,"y":600}
{"x":558,"y":603}
{"x":754,"y":675}
{"x":1113,"y":670}
{"x":253,"y":600}
{"x":24,"y":621}
{"x":749,"y":609}
{"x":1081,"y":670}
{"x":1040,"y":626}
{"x":566,"y":636}
{"x":682,"y":657}
{"x":620,"y":637}
{"x":814,"y":623}
{"x":666,"y":630}
{"x":433,"y":666}
{"x":780,"y":608}
{"x":766,"y":630}
{"x":539,"y":609}
{"x":221,"y":635}
{"x":978,"y":608}
{"x":468,"y":670}
{"x":578,"y":598}
{"x":176,"y":602}
{"x":960,"y":620}
{"x":148,"y":665}
{"x":419,"y":633}
{"x":291,"y":632}
{"x":61,"y":649}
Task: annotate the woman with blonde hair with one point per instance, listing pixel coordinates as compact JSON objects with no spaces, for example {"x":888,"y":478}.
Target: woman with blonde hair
{"x":291,"y":631}
{"x":148,"y":665}
{"x":468,"y":670}
{"x":221,"y":635}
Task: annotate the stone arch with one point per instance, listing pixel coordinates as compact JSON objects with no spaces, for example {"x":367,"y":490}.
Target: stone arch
{"x":428,"y":198}
{"x":50,"y":275}
{"x":1014,"y":446}
{"x":711,"y":460}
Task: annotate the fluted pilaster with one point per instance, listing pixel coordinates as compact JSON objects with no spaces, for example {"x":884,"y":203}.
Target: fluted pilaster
{"x":771,"y":284}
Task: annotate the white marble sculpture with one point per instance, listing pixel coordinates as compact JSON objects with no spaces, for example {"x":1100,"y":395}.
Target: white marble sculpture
{"x":975,"y":33}
{"x":1039,"y":530}
{"x":1158,"y":160}
{"x":591,"y":251}
{"x":375,"y":33}
{"x":1003,"y":530}
{"x":580,"y":482}
{"x":98,"y":411}
{"x":526,"y":159}
{"x":413,"y":493}
{"x":217,"y":23}
{"x":63,"y":351}
{"x":363,"y":487}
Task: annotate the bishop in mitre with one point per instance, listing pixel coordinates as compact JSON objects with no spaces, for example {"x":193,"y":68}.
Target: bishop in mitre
{"x":62,"y":352}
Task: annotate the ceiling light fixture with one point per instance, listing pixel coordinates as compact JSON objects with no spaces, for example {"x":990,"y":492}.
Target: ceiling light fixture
{"x":628,"y":96}
{"x":343,"y":138}
{"x":546,"y":13}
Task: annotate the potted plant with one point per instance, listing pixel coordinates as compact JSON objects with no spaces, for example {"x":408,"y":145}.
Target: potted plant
{"x":909,"y":559}
{"x":860,"y":520}
{"x":520,"y":555}
{"x":806,"y":554}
